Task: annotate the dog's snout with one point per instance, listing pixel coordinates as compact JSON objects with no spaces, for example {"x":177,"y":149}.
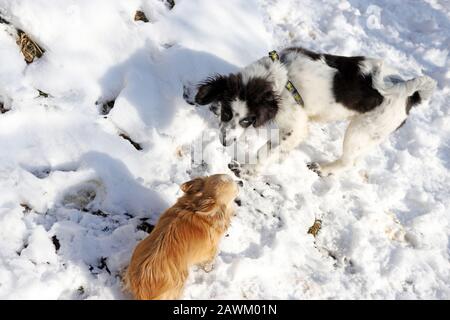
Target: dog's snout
{"x":226,"y":115}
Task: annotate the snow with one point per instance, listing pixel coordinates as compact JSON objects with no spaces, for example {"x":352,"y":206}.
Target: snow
{"x":66,"y":174}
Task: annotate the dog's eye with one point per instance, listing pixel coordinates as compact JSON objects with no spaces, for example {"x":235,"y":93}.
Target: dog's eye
{"x":248,"y":121}
{"x":226,"y":115}
{"x":215,"y":108}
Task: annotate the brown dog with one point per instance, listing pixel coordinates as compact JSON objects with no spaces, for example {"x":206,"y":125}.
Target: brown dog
{"x":186,"y":234}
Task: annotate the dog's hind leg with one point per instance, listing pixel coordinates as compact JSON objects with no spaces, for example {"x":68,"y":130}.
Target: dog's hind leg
{"x":361,"y":135}
{"x":367,"y":130}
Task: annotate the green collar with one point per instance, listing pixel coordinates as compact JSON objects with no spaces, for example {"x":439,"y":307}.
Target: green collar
{"x":289,"y":85}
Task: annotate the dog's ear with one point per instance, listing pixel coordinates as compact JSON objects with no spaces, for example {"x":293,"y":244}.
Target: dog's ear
{"x":206,"y":206}
{"x":193,"y":186}
{"x":263,"y":102}
{"x":268,"y":109}
{"x":212,"y":89}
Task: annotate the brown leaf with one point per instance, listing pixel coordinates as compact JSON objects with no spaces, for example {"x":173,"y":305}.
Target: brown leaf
{"x":140,"y":16}
{"x":315,"y":228}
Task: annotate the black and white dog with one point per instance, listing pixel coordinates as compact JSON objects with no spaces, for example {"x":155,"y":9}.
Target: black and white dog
{"x":332,"y":88}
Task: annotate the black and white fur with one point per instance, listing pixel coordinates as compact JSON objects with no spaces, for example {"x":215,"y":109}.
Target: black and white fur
{"x":333,"y":88}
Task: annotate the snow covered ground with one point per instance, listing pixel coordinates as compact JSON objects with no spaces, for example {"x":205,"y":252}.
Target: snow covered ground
{"x":75,"y":196}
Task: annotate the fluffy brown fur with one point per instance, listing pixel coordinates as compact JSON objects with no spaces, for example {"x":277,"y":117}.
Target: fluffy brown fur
{"x":186,"y":234}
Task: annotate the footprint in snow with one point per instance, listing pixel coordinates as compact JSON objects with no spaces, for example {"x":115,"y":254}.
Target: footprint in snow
{"x":81,"y":196}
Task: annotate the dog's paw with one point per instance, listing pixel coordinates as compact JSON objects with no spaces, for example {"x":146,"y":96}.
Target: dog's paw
{"x":189,"y":93}
{"x":243,"y":171}
{"x":315,"y":167}
{"x":235,"y":167}
{"x":325,"y":170}
{"x":207,"y":267}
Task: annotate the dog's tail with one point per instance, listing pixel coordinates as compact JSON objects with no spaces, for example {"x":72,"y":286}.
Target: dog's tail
{"x":420,"y":88}
{"x":415,"y":90}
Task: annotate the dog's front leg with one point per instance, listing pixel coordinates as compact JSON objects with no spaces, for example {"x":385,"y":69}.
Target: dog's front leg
{"x":363,"y":133}
{"x":280,"y":143}
{"x":253,"y":165}
{"x":293,"y":129}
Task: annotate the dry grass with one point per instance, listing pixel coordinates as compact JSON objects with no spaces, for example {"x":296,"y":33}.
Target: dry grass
{"x":140,"y":16}
{"x":30,"y":49}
